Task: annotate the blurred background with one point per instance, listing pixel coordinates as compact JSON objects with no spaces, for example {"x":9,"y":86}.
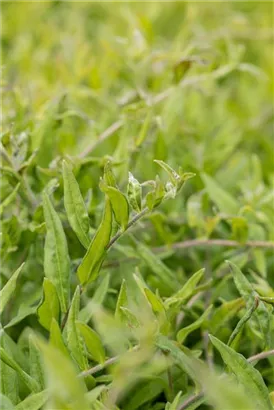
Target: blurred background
{"x":188,"y":83}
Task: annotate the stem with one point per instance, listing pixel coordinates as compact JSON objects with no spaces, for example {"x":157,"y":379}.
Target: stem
{"x":102,"y":137}
{"x":129,"y":225}
{"x":214,"y":242}
{"x":102,"y":366}
{"x":261,"y":356}
{"x":191,"y":400}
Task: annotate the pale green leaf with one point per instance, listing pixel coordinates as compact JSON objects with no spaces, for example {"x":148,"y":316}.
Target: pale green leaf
{"x":134,"y":193}
{"x":34,"y":401}
{"x":9,"y":199}
{"x":122,"y":299}
{"x":92,"y":341}
{"x":36,"y":364}
{"x":56,"y":258}
{"x":9,"y":288}
{"x":56,"y":338}
{"x":49,"y":307}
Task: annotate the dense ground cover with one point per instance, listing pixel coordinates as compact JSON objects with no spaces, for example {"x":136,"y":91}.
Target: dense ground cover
{"x":129,"y":283}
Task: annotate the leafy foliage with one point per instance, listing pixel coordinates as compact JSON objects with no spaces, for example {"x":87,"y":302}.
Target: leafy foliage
{"x":137,"y":206}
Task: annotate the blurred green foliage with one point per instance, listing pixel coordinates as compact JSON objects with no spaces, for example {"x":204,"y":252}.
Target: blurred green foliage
{"x":187,"y":83}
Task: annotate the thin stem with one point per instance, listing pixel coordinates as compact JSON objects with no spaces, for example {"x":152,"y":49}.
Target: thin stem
{"x":261,"y":356}
{"x":132,"y":222}
{"x":191,"y":400}
{"x":214,"y":242}
{"x":102,"y":366}
{"x":102,"y":137}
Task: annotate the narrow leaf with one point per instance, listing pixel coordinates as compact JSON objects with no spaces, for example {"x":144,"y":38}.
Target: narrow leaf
{"x":56,"y":338}
{"x":56,"y":259}
{"x":134,"y":193}
{"x":36,"y":365}
{"x":119,"y":204}
{"x":246,"y":374}
{"x":75,"y":206}
{"x":183,"y":333}
{"x":49,"y":307}
{"x":93,"y":259}
{"x":73,"y":337}
{"x":93,"y":342}
{"x":122,"y":300}
{"x":34,"y":401}
{"x":9,"y":199}
{"x":9,"y":361}
{"x":9,"y":288}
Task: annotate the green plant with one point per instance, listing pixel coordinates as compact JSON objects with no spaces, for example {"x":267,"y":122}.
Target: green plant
{"x":124,"y":285}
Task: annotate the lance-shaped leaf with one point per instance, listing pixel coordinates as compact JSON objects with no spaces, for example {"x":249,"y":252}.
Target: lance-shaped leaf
{"x":246,"y":374}
{"x":9,"y":382}
{"x":9,"y":199}
{"x":134,"y":193}
{"x":187,"y":290}
{"x":155,"y":197}
{"x":262,"y":315}
{"x":225,"y":202}
{"x":121,"y":301}
{"x":93,"y":259}
{"x":66,"y":389}
{"x":56,"y":259}
{"x":8,"y":289}
{"x":92,"y":341}
{"x":26,"y":378}
{"x":183,"y":333}
{"x":118,"y":202}
{"x":98,"y":298}
{"x":173,"y":176}
{"x":72,"y":334}
{"x":34,"y":401}
{"x":49,"y":307}
{"x":56,"y":338}
{"x":109,"y":177}
{"x":36,"y":365}
{"x":75,"y":206}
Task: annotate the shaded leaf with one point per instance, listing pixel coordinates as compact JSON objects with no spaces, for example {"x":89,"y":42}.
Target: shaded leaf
{"x":183,"y":333}
{"x":9,"y":288}
{"x":92,"y":341}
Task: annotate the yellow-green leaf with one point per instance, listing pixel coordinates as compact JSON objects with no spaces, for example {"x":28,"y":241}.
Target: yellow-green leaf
{"x":75,"y":206}
{"x":7,"y":291}
{"x":93,"y":342}
{"x":93,"y":259}
{"x":183,"y":333}
{"x":49,"y":307}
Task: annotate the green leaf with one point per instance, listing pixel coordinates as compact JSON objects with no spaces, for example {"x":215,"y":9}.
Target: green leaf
{"x":173,"y":176}
{"x":6,"y":404}
{"x":9,"y":377}
{"x":122,"y":300}
{"x":175,"y":402}
{"x":27,"y":379}
{"x":34,"y":401}
{"x":72,"y":334}
{"x":225,"y":202}
{"x":187,"y":290}
{"x":93,"y":394}
{"x":129,"y":318}
{"x":92,"y":341}
{"x":66,"y":390}
{"x":155,"y":197}
{"x":36,"y":365}
{"x":246,"y":374}
{"x":49,"y":307}
{"x":75,"y":206}
{"x":146,"y":392}
{"x":119,"y":204}
{"x":262,"y":315}
{"x":224,"y":313}
{"x":183,"y":333}
{"x":9,"y":199}
{"x":134,"y":193}
{"x":109,"y":177}
{"x":93,"y":259}
{"x":98,"y":298}
{"x":56,"y":338}
{"x":56,"y":258}
{"x":9,"y":288}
